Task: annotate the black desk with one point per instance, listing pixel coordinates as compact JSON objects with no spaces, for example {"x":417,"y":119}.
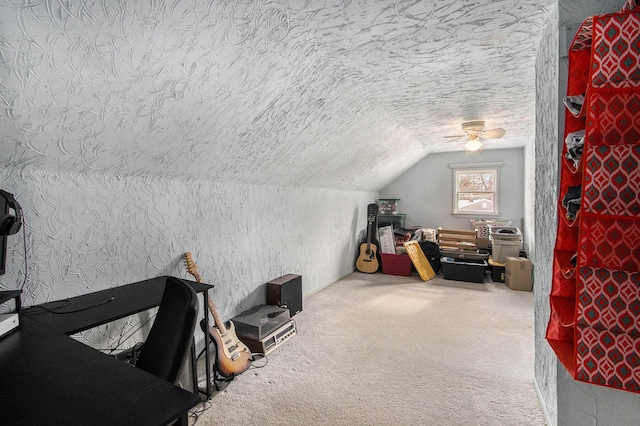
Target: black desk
{"x":49,"y":378}
{"x":104,"y":306}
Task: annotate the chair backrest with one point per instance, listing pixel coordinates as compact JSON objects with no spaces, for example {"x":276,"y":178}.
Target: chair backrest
{"x":167,"y":346}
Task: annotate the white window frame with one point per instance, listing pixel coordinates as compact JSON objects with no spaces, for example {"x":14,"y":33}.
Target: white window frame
{"x":475,"y":168}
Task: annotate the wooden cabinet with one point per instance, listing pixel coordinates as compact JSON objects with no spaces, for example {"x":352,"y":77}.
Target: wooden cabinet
{"x":594,"y":325}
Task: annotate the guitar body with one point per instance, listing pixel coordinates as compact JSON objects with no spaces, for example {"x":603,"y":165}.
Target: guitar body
{"x":368,"y":260}
{"x":233,"y":357}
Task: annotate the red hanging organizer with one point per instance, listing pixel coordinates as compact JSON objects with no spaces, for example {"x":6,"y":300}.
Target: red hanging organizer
{"x":594,"y":325}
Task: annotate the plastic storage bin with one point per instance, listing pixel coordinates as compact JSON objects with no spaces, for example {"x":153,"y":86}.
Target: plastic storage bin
{"x":388,"y":205}
{"x":505,"y":233}
{"x":463,"y":270}
{"x":505,"y":242}
{"x":500,"y":250}
{"x":396,"y":264}
{"x":497,"y":271}
{"x":466,"y":254}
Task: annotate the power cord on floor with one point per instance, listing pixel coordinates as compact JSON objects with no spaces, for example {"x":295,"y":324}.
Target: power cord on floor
{"x":195,"y":413}
{"x":261,"y":356}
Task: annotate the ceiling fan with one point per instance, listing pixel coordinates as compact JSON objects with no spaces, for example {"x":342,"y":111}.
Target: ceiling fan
{"x":474,"y":132}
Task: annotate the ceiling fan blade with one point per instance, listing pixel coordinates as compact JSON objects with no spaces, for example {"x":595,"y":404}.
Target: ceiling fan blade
{"x":455,"y":136}
{"x":496,"y":133}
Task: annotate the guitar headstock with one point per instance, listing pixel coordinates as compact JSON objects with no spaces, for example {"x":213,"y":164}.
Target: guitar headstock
{"x":192,"y":268}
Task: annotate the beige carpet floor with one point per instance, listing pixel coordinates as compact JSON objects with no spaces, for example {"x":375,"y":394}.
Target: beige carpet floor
{"x":376,"y":349}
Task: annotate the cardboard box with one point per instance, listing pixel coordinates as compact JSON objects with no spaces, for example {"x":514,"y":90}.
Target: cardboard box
{"x":518,"y":273}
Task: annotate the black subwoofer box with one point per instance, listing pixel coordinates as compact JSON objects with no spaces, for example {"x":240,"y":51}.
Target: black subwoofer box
{"x":286,"y":291}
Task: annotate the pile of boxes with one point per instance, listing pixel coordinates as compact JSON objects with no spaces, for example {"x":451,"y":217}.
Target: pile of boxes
{"x":461,"y":259}
{"x":506,"y":264}
{"x":504,"y":242}
{"x":464,"y":255}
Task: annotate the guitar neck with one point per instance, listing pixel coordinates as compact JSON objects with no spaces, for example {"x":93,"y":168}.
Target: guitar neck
{"x":216,"y":317}
{"x":370,"y":237}
{"x":193,"y":270}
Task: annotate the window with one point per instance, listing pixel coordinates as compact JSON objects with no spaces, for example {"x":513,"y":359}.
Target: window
{"x":475,"y":188}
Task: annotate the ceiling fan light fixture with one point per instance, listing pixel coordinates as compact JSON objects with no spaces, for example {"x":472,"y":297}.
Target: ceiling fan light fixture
{"x":474,"y":131}
{"x":473,"y":145}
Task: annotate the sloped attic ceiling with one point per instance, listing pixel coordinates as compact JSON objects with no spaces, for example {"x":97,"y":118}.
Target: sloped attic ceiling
{"x":331,"y":94}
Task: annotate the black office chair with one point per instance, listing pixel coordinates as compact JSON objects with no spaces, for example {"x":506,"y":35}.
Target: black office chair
{"x":167,"y":346}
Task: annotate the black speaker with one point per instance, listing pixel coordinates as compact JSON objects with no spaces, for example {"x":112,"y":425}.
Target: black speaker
{"x":286,"y":291}
{"x":10,"y":223}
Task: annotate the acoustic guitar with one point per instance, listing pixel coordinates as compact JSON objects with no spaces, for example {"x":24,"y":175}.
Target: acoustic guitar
{"x":233,"y":356}
{"x":368,"y":258}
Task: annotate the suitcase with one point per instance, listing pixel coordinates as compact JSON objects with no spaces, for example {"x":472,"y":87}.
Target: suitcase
{"x":431,"y":251}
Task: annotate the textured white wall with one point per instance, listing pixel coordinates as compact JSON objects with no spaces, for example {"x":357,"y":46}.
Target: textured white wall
{"x":586,"y":404}
{"x":425,"y":190}
{"x":90,"y":232}
{"x":542,"y":176}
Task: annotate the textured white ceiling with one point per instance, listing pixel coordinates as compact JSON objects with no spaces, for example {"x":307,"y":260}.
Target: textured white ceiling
{"x":332,"y":94}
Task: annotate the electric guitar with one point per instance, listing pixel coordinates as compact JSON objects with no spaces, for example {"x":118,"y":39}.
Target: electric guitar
{"x":233,"y":356}
{"x":368,"y":258}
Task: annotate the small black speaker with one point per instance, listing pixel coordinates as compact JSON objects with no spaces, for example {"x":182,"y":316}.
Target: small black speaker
{"x":286,"y":291}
